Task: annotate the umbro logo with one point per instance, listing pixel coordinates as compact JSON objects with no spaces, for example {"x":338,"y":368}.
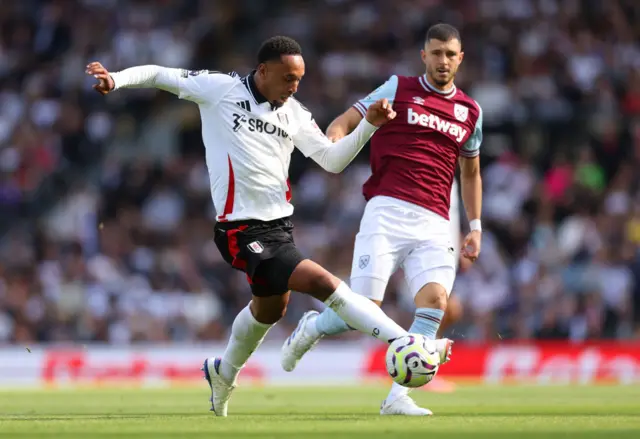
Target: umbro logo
{"x":245,"y":105}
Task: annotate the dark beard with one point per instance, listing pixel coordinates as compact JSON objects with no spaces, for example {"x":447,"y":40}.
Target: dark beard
{"x":440,"y":83}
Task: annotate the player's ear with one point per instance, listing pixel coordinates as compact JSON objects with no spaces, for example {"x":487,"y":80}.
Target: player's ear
{"x":262,"y":70}
{"x":460,"y":57}
{"x":423,"y":56}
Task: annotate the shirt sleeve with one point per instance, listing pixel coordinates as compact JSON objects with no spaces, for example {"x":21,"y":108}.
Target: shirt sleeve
{"x":333,"y":157}
{"x":204,"y":86}
{"x":471,"y":147}
{"x":386,"y":90}
{"x":199,"y":86}
{"x":310,"y":138}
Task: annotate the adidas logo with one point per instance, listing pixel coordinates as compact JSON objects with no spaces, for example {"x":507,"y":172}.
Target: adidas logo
{"x":245,"y":105}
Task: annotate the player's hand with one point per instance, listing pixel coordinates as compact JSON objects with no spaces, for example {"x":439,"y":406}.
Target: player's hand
{"x":471,"y":245}
{"x":380,"y":113}
{"x":105,"y":81}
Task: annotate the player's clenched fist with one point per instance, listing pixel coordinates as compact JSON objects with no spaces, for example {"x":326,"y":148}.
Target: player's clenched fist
{"x":380,"y":113}
{"x":105,"y":81}
{"x":471,"y":245}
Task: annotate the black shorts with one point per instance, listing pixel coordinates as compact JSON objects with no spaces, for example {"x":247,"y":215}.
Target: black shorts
{"x":263,"y":249}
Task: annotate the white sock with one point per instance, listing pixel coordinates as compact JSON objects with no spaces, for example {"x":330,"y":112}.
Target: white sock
{"x":396,"y":392}
{"x":246,"y":335}
{"x":362,"y":314}
{"x":311,"y":328}
{"x":330,"y":323}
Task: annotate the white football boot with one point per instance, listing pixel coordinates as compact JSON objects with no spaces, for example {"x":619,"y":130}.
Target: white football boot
{"x":220,"y":389}
{"x":404,"y":405}
{"x":299,"y":342}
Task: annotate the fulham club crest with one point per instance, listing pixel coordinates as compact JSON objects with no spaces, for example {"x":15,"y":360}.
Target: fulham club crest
{"x":460,"y":112}
{"x":283,"y":118}
{"x":256,"y":247}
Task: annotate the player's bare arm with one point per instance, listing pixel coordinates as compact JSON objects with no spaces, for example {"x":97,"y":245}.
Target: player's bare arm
{"x":343,"y":124}
{"x":471,"y":185}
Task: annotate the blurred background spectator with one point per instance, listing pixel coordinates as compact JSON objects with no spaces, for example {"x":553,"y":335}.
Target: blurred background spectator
{"x":105,"y":213}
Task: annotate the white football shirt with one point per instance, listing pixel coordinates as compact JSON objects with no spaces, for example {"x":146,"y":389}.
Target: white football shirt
{"x":248,"y":141}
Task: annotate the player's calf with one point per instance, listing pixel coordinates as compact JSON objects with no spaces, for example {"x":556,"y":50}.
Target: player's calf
{"x":249,"y":329}
{"x":357,"y":311}
{"x":330,"y":323}
{"x":310,"y":278}
{"x":431,"y":302}
{"x":433,"y":295}
{"x":313,"y":326}
{"x":452,"y":314}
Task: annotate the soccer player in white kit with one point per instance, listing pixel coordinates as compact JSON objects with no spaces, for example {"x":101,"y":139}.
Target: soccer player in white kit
{"x":406,"y":220}
{"x":250,"y":125}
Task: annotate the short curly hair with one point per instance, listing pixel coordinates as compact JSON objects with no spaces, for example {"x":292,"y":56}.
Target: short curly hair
{"x":273,"y":48}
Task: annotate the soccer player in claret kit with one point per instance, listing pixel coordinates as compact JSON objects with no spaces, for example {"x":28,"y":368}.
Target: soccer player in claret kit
{"x":250,"y":125}
{"x":406,"y":219}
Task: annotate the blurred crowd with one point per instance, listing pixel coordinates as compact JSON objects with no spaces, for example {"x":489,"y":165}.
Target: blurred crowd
{"x":123,"y":251}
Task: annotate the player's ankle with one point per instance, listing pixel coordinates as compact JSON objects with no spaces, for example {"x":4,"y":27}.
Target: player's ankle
{"x":397,"y":391}
{"x":311,"y":330}
{"x":228,"y":371}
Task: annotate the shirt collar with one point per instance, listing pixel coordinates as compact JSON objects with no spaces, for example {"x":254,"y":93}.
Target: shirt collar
{"x":250,"y":82}
{"x":427,"y":86}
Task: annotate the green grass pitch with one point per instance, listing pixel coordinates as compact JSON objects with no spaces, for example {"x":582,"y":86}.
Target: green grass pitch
{"x":519,"y":412}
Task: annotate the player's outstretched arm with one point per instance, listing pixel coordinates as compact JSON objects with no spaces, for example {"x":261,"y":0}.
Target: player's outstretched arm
{"x":334,"y":157}
{"x":201,"y":87}
{"x":148,"y":76}
{"x":344,"y":124}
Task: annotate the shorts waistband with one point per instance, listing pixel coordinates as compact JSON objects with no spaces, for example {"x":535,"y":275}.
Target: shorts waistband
{"x":228,"y":225}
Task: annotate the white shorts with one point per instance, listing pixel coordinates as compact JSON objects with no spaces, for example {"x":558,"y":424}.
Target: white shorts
{"x":397,"y":234}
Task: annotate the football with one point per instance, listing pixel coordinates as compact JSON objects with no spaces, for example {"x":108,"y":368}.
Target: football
{"x":412,"y":360}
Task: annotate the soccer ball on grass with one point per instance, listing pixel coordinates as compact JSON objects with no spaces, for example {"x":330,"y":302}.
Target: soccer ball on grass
{"x":412,"y":360}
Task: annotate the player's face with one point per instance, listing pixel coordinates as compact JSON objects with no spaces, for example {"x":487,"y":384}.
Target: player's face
{"x":442,"y":59}
{"x":281,"y":78}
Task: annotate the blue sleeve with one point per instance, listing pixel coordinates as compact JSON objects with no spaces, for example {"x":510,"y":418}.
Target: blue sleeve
{"x":471,"y":148}
{"x":386,"y":90}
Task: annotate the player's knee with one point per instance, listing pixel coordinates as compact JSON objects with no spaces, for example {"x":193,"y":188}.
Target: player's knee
{"x":270,"y":315}
{"x":270,"y":309}
{"x":311,"y":278}
{"x":432,"y":295}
